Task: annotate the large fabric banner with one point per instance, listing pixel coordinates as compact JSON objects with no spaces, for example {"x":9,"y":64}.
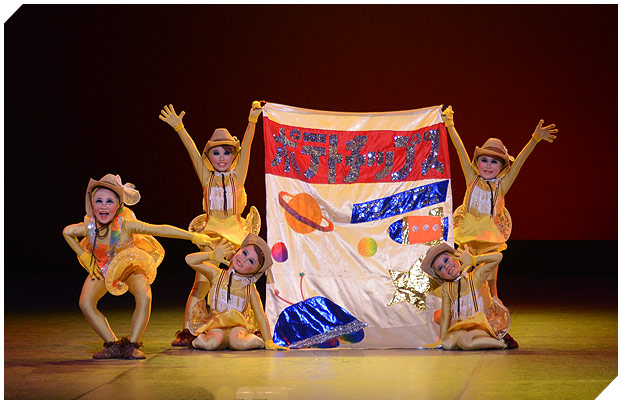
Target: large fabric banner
{"x":354,"y":200}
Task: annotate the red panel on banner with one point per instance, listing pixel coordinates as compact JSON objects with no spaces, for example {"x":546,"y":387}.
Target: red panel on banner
{"x":343,"y":157}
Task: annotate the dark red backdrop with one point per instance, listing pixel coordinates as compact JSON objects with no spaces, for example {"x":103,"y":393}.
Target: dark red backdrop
{"x":84,"y":86}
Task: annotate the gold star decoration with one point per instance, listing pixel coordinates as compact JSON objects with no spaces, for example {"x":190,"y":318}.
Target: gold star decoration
{"x":412,"y":286}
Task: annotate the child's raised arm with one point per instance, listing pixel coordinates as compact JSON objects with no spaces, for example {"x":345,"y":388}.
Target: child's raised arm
{"x":465,"y":161}
{"x":168,"y":115}
{"x":540,"y":133}
{"x":485,"y":264}
{"x":245,"y":151}
{"x":202,"y":262}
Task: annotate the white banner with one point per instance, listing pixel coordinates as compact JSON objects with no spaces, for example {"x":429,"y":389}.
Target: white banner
{"x":354,"y":200}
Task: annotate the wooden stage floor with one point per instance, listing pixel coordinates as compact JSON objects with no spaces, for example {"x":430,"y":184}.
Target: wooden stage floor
{"x":567,"y":351}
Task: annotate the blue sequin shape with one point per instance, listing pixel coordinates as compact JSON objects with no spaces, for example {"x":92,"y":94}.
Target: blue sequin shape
{"x":316,"y":321}
{"x":395,"y":232}
{"x":401,"y":203}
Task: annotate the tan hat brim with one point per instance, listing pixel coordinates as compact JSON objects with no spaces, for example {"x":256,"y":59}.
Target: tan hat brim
{"x":487,"y":152}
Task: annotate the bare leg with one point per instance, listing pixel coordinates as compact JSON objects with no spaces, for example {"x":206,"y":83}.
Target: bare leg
{"x":140,"y":288}
{"x":92,"y":291}
{"x":450,"y":340}
{"x":241,"y":340}
{"x":479,"y":339}
{"x":213,"y":340}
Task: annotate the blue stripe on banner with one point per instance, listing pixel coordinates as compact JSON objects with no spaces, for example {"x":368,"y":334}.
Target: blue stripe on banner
{"x":401,"y":203}
{"x":445,"y":228}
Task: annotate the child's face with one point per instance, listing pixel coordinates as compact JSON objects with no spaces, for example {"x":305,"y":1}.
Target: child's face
{"x":105,"y":205}
{"x":220,"y":158}
{"x":447,"y":266}
{"x":245,"y":261}
{"x":489,"y":167}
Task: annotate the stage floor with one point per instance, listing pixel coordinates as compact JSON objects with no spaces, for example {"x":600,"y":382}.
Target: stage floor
{"x":566,"y":352}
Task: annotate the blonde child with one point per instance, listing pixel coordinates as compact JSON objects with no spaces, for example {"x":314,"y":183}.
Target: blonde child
{"x":119,"y":253}
{"x":222,"y":170}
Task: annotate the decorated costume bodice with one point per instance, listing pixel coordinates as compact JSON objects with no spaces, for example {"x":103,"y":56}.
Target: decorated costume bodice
{"x":106,"y":249}
{"x":223,"y":196}
{"x":484,"y":199}
{"x":226,"y":294}
{"x":474,"y":297}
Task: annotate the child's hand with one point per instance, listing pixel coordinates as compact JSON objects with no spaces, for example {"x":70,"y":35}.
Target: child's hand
{"x":448,"y":116}
{"x":465,"y":258}
{"x":168,"y":115}
{"x":256,"y":110}
{"x":545,"y":133}
{"x":202,"y":239}
{"x":271,"y":346}
{"x":223,"y":250}
{"x":91,"y":266}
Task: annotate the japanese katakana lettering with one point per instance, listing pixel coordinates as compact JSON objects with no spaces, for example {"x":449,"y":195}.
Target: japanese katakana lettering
{"x":314,"y":145}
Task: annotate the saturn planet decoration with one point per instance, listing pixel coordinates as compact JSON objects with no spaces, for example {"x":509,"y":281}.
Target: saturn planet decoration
{"x":303,"y":214}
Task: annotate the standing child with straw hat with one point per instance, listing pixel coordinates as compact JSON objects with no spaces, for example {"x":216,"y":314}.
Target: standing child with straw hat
{"x":222,"y":170}
{"x":119,"y":254}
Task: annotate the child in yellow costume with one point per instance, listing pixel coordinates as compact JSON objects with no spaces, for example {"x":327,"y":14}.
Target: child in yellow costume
{"x":471,"y":318}
{"x":222,"y":170}
{"x":119,"y":254}
{"x":236,"y":314}
{"x":482,"y":224}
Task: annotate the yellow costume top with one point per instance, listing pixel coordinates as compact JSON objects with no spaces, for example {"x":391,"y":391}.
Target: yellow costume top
{"x":224,"y":197}
{"x":482,"y":222}
{"x":229,"y":306}
{"x":128,"y":248}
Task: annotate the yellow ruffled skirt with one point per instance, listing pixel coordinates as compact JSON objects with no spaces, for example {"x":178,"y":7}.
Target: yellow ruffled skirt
{"x":202,"y":320}
{"x":144,"y":257}
{"x":481,"y":234}
{"x":495,"y":320}
{"x":232,"y":228}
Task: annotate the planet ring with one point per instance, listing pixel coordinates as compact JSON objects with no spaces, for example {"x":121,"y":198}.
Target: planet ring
{"x":302,"y":219}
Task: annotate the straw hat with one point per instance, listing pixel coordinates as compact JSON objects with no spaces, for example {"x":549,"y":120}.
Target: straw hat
{"x":126,"y":193}
{"x":431,"y":255}
{"x":495,"y":148}
{"x":221,"y":137}
{"x":253,"y":239}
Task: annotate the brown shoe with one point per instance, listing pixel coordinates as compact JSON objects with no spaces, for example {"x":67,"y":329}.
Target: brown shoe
{"x":183,"y":338}
{"x":112,"y":350}
{"x":130,"y":349}
{"x":510,"y":343}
